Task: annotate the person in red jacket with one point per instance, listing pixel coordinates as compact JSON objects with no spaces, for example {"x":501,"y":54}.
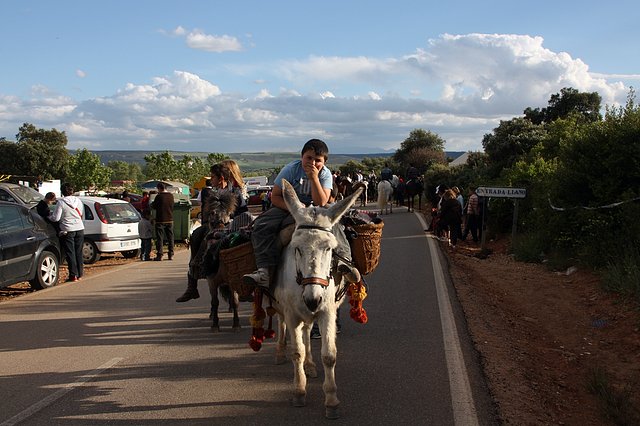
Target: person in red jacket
{"x":163,"y":205}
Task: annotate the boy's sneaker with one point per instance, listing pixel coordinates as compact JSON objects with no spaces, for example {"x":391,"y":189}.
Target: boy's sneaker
{"x":315,"y":333}
{"x":258,"y":278}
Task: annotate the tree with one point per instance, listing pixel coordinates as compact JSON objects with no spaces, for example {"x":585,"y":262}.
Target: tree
{"x":509,"y":142}
{"x":87,"y":173}
{"x":161,"y":167}
{"x":215,"y":158}
{"x":568,"y":101}
{"x":37,"y":152}
{"x":422,"y":148}
{"x":193,"y":169}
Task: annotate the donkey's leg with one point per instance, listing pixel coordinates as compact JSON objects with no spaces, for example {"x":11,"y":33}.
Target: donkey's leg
{"x":297,"y":357}
{"x":281,"y":345}
{"x":215,"y":303}
{"x":329,"y":353}
{"x":310,"y":368}
{"x":235,"y":301}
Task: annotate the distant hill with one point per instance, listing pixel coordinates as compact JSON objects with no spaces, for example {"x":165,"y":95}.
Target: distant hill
{"x":248,"y":161}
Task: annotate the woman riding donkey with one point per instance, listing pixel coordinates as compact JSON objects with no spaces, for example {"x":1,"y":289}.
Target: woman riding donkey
{"x":224,"y":178}
{"x":312,"y":182}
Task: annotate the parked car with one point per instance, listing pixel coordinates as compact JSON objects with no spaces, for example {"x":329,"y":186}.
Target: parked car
{"x":136,"y":199}
{"x":19,"y":194}
{"x":255,"y":194}
{"x":196,"y":209}
{"x":110,"y":226}
{"x":29,"y":247}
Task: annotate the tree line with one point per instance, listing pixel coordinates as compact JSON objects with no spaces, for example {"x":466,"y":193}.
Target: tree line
{"x":581,"y":170}
{"x":42,"y":154}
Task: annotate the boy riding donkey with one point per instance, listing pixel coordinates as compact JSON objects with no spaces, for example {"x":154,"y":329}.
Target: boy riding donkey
{"x":313,"y":182}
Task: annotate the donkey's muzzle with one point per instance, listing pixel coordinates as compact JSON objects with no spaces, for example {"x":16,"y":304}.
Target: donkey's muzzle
{"x":312,"y":303}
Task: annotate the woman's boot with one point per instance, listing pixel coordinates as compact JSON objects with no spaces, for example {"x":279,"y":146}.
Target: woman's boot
{"x":191,"y":292}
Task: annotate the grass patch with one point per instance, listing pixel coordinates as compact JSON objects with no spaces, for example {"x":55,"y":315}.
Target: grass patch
{"x":615,"y":403}
{"x":622,"y":274}
{"x":528,"y":248}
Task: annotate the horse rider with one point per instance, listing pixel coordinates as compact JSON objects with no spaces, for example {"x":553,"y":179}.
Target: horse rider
{"x":312,"y":182}
{"x":386,"y":174}
{"x":412,"y":173}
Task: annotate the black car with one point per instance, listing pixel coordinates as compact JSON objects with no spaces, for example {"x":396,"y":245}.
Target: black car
{"x":19,"y":194}
{"x":29,"y":248}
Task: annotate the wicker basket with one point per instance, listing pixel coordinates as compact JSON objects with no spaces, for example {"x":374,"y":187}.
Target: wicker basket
{"x":239,"y":260}
{"x":365,"y":249}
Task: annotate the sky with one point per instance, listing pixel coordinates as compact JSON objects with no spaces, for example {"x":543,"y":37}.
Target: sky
{"x":266,"y":76}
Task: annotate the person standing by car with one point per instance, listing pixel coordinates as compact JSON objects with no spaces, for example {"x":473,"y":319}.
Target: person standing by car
{"x":43,"y":208}
{"x":163,"y":205}
{"x":145,"y":230}
{"x":68,"y":213}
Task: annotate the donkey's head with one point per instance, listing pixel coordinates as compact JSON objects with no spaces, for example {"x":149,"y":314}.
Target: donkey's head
{"x":220,"y":206}
{"x":313,"y":243}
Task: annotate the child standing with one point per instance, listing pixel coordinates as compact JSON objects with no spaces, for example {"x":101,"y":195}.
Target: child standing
{"x":146,"y":233}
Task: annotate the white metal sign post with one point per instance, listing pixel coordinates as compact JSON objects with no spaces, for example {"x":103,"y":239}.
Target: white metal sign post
{"x":501,"y":192}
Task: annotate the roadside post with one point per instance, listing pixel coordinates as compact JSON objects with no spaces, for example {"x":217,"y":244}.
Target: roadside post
{"x":501,"y":192}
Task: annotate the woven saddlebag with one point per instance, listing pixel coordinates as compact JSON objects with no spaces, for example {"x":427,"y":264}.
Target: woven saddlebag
{"x":365,"y":248}
{"x":238,"y":260}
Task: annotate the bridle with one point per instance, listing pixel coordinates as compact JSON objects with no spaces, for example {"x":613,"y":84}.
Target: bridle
{"x":324,"y":282}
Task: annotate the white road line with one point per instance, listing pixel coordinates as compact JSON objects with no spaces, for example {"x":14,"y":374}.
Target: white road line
{"x":59,"y":394}
{"x":464,"y":410}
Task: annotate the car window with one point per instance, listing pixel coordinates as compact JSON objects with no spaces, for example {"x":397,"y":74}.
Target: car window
{"x":120,"y":213}
{"x":5,"y":196}
{"x":88,"y":214}
{"x":27,"y":195}
{"x":10,"y":219}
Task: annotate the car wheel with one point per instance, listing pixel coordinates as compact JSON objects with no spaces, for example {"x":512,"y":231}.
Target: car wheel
{"x":47,"y":271}
{"x":90,"y":253}
{"x":130,"y":254}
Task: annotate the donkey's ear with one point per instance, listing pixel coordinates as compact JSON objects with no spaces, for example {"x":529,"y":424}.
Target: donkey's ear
{"x":291,"y":198}
{"x":338,"y":209}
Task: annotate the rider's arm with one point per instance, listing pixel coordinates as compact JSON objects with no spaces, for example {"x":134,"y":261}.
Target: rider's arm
{"x":319,"y":194}
{"x":276,"y":197}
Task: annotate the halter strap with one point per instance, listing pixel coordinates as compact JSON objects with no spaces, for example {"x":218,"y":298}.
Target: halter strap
{"x":319,"y":228}
{"x":313,"y":280}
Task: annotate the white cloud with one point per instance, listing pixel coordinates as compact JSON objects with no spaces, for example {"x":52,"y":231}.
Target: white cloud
{"x":81,"y":73}
{"x":197,"y":39}
{"x":458,"y":86}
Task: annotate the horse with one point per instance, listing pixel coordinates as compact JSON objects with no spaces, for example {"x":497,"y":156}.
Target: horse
{"x":363,"y":197}
{"x":412,"y":188}
{"x":385,"y":196}
{"x":306,"y":286}
{"x":345,"y":187}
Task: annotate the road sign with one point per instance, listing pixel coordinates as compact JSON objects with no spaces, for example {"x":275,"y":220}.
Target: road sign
{"x":501,"y":192}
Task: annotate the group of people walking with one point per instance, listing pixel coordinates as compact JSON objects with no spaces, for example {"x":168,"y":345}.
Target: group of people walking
{"x":454,"y":219}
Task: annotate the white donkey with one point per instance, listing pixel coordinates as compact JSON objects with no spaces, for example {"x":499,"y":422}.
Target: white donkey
{"x":385,"y":197}
{"x":305,"y":292}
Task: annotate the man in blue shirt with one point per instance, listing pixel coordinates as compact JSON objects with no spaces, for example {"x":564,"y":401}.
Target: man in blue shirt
{"x":312,"y":181}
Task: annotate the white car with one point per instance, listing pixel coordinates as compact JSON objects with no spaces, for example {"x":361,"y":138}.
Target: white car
{"x":110,"y":226}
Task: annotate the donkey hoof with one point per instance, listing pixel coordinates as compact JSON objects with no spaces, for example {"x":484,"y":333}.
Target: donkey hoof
{"x":299,"y":400}
{"x":311,"y":371}
{"x":236,"y":328}
{"x":331,"y":413}
{"x":215,"y":329}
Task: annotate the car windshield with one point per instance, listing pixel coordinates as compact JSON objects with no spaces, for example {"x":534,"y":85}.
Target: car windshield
{"x":120,"y":213}
{"x":28,"y":195}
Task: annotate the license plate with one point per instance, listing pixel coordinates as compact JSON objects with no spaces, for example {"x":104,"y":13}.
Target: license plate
{"x":127,"y":243}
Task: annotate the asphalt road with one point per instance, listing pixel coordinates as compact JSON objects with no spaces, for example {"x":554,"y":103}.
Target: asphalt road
{"x":116,"y":349}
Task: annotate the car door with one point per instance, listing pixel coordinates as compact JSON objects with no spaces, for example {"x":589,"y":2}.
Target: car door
{"x":18,"y":241}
